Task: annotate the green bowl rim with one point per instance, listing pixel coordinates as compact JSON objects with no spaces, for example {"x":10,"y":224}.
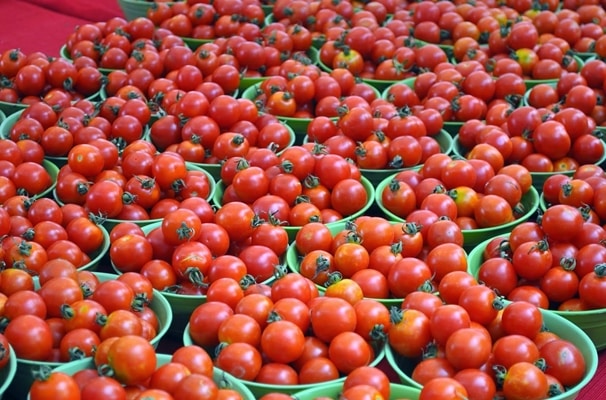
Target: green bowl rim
{"x":10,"y":370}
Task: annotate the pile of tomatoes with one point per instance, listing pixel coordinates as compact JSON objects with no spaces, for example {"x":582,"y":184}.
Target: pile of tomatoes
{"x":467,"y":341}
{"x":198,"y":85}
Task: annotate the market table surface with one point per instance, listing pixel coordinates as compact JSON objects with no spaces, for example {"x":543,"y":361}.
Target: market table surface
{"x":43,"y":25}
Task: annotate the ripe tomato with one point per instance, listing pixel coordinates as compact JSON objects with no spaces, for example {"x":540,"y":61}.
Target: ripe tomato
{"x":132,"y":358}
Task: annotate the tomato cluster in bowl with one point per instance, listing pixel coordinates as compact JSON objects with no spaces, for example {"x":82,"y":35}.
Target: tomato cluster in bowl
{"x":209,"y":84}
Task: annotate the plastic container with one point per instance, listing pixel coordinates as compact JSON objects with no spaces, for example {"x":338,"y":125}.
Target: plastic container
{"x":591,"y":322}
{"x":555,"y":323}
{"x":538,"y":178}
{"x":23,"y":377}
{"x":292,"y":230}
{"x":260,"y":389}
{"x":221,"y":378}
{"x":471,"y":237}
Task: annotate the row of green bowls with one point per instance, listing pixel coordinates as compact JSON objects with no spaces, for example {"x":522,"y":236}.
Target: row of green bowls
{"x":22,"y":375}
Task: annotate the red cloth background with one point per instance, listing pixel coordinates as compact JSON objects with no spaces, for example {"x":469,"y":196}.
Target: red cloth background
{"x":44,"y":25}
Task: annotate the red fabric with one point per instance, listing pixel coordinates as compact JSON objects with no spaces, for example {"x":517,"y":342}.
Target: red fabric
{"x":29,"y":26}
{"x":91,"y":10}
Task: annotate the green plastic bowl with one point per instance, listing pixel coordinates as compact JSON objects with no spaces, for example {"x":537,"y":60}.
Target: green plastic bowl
{"x":2,"y":116}
{"x":554,"y":322}
{"x":23,"y":377}
{"x":538,"y":178}
{"x":110,"y":223}
{"x":377,"y":175}
{"x":591,"y":322}
{"x":248,"y":81}
{"x":181,"y":305}
{"x":530,"y":83}
{"x":333,"y":390}
{"x":11,"y":108}
{"x":293,"y":263}
{"x":221,"y":378}
{"x":260,"y":389}
{"x":64,"y":53}
{"x":471,"y":237}
{"x":215,"y":169}
{"x":452,"y":127}
{"x":298,"y":125}
{"x":7,"y":374}
{"x":292,"y":230}
{"x":7,"y":124}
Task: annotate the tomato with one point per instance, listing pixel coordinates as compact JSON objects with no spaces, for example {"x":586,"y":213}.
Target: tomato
{"x":562,"y":222}
{"x":523,"y":318}
{"x":57,"y":385}
{"x":443,"y":388}
{"x":240,"y":359}
{"x":590,"y":286}
{"x":205,"y":321}
{"x":132,"y":348}
{"x":332,"y":316}
{"x":468,"y":348}
{"x":526,"y":380}
{"x":30,"y":337}
{"x":409,"y":335}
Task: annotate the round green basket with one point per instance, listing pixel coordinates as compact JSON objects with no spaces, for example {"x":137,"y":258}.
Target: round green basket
{"x":334,"y":390}
{"x":215,"y":169}
{"x":7,"y":374}
{"x":538,"y":178}
{"x":293,"y":263}
{"x":217,"y":200}
{"x":298,"y":125}
{"x":110,"y":223}
{"x":181,"y":305}
{"x":260,"y":389}
{"x":471,"y":237}
{"x":452,"y":127}
{"x":530,"y":83}
{"x":591,"y":322}
{"x":555,"y":323}
{"x":443,"y":138}
{"x":221,"y":378}
{"x":24,"y":378}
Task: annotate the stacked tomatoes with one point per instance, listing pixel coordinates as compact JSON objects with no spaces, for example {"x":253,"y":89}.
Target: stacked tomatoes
{"x":291,"y":335}
{"x":480,"y":346}
{"x":67,"y":313}
{"x":32,"y":78}
{"x":564,"y":249}
{"x":376,"y":258}
{"x":467,"y":192}
{"x":296,"y":187}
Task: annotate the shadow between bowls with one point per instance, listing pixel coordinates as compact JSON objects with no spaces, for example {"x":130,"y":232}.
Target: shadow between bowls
{"x":591,"y":322}
{"x":24,"y":378}
{"x":7,"y":373}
